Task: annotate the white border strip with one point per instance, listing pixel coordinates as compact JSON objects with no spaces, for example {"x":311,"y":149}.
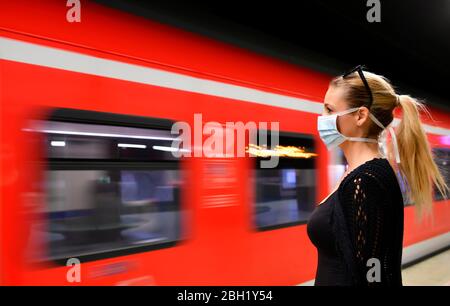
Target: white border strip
{"x":428,"y":128}
{"x":308,"y":283}
{"x":24,"y":52}
{"x":423,"y":248}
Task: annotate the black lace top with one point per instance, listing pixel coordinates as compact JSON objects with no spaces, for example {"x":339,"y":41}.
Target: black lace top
{"x":358,"y":230}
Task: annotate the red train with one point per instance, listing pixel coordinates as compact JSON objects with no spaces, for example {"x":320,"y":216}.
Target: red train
{"x":86,"y":169}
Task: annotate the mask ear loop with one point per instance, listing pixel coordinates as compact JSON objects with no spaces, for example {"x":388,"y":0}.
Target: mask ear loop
{"x":393,"y":137}
{"x":382,"y":143}
{"x":394,"y":140}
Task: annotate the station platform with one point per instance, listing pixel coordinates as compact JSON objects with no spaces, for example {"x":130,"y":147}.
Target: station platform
{"x":433,"y":271}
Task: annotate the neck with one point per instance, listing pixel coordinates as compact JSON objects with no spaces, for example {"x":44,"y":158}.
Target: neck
{"x":357,"y":153}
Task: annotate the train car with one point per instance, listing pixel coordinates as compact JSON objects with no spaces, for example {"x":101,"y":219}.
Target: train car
{"x":88,"y":175}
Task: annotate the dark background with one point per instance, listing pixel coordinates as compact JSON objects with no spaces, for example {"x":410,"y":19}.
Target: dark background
{"x":410,"y":46}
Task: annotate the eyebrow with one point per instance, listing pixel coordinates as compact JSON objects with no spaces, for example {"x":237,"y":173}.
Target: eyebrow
{"x":326,"y":104}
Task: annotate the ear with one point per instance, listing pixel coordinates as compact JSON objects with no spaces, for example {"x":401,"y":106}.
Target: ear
{"x":363,"y":115}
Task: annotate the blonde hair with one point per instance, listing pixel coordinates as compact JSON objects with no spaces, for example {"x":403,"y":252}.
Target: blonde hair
{"x":417,"y":166}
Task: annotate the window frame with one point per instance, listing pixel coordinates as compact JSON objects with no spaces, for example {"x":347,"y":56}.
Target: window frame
{"x":112,"y":119}
{"x":301,"y":136}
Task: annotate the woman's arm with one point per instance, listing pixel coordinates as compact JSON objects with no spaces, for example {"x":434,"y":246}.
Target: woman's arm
{"x":363,"y":200}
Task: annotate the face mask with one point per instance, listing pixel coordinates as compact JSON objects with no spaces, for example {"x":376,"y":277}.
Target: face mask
{"x":327,"y":127}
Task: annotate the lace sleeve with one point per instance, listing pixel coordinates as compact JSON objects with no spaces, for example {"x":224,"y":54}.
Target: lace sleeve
{"x":363,"y":201}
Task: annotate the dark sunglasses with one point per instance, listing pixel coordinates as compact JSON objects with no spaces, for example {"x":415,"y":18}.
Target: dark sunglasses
{"x":359,"y":69}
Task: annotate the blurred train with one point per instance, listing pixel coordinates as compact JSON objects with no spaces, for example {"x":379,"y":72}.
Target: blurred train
{"x":86,"y":173}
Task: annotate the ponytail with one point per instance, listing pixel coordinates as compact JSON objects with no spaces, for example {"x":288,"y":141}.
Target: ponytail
{"x":417,"y":164}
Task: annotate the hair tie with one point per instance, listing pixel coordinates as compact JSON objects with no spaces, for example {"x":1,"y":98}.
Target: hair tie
{"x":398,"y":100}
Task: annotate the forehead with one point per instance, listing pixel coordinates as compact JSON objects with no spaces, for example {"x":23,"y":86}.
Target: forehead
{"x":335,"y":98}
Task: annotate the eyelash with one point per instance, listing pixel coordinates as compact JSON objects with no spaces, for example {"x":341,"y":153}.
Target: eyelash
{"x":328,"y":110}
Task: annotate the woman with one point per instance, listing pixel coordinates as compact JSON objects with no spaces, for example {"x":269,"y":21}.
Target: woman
{"x":358,"y":228}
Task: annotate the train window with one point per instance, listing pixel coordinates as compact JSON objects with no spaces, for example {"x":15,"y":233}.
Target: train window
{"x":110,"y":191}
{"x":336,"y":167}
{"x":442,"y":159}
{"x":339,"y":165}
{"x":403,"y":183}
{"x":285,"y":195}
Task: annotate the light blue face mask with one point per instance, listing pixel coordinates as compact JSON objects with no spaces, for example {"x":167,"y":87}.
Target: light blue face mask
{"x":327,"y":127}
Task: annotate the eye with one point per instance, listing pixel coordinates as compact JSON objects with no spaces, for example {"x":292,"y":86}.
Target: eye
{"x":328,"y":109}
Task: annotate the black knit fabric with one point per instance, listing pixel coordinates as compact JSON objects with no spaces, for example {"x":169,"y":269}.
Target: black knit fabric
{"x":365,"y":220}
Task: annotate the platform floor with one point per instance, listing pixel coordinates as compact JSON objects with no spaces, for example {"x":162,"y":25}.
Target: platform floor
{"x":434,"y":271}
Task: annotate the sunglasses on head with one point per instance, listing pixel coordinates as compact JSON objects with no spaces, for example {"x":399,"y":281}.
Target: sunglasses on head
{"x":359,"y":69}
